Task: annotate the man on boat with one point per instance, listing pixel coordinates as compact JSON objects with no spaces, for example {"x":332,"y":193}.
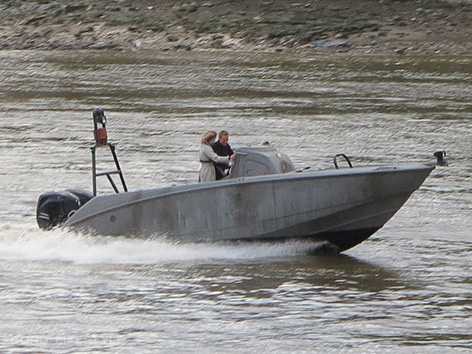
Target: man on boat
{"x":222,"y":148}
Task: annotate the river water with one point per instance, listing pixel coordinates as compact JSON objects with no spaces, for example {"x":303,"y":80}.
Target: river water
{"x":406,"y":289}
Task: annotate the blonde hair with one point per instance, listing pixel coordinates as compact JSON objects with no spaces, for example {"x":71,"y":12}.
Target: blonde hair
{"x":208,"y":136}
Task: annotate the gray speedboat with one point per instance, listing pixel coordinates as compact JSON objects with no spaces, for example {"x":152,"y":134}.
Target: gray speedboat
{"x":264,"y":198}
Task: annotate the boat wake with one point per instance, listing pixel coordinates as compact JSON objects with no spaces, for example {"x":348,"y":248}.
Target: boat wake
{"x":27,"y":243}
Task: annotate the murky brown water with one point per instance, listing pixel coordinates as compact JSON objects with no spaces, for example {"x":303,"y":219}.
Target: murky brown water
{"x":407,"y":289}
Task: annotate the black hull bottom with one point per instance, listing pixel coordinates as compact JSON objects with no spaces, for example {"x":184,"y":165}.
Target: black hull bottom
{"x":330,"y":242}
{"x":344,"y":240}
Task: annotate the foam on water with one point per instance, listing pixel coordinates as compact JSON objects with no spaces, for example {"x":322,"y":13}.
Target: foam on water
{"x":29,"y":243}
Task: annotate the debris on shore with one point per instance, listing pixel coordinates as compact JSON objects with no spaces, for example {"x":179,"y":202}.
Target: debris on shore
{"x":360,"y":26}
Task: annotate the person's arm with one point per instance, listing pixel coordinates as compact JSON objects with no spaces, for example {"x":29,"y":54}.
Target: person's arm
{"x":214,"y":157}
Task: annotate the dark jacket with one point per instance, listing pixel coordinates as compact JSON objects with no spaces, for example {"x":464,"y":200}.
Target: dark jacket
{"x":221,"y":150}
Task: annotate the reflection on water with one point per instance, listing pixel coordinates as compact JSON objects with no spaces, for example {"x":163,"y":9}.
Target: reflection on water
{"x":406,"y":289}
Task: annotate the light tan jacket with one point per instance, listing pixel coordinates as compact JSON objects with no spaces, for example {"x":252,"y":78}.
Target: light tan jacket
{"x":207,"y":157}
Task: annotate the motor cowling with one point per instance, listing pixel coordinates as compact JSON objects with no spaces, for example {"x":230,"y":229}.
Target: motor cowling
{"x":54,"y":208}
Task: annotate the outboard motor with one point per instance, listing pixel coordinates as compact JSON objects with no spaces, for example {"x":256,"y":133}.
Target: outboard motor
{"x":54,"y":208}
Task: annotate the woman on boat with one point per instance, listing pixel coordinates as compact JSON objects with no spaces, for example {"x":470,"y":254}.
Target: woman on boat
{"x":208,"y":157}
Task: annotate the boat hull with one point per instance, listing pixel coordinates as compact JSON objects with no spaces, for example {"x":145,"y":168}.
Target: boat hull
{"x":342,"y":207}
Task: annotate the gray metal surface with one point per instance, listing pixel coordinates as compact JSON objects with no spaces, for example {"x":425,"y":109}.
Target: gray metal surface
{"x":331,"y":205}
{"x":260,"y":161}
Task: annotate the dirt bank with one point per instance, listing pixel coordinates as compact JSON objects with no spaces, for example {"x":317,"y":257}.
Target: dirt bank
{"x":364,"y":26}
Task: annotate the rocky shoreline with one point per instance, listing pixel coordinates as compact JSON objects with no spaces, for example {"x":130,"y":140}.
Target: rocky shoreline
{"x":357,"y":26}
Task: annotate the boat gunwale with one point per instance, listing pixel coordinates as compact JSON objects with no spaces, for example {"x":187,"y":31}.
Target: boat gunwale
{"x":299,"y":175}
